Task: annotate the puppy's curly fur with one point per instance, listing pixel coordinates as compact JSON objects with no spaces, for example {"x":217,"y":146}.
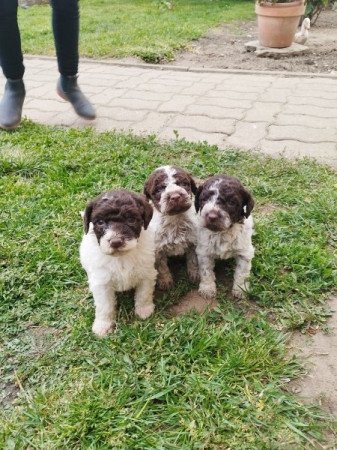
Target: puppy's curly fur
{"x":174,"y":222}
{"x":225,"y":231}
{"x":117,"y":252}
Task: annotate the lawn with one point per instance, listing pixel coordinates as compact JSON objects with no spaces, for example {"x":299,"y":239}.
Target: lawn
{"x":194,"y":382}
{"x":144,"y":28}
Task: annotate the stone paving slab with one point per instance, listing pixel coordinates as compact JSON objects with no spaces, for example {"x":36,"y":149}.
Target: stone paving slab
{"x":294,"y":116}
{"x":268,"y":52}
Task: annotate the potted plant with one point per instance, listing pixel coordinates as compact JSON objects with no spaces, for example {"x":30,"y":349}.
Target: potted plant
{"x":278,"y":21}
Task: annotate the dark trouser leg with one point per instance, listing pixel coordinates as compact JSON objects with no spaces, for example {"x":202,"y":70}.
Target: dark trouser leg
{"x":11,"y":62}
{"x":66,"y":30}
{"x":65,"y":21}
{"x":11,"y":59}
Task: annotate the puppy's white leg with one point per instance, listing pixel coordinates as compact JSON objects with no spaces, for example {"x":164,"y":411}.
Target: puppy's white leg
{"x":144,"y":305}
{"x":241,"y":275}
{"x":192,"y":265}
{"x":105,"y":313}
{"x":207,"y":287}
{"x":165,"y":280}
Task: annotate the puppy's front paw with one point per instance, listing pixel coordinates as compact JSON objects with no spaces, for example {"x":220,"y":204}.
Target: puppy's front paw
{"x":164,"y":282}
{"x":102,"y":327}
{"x":207,"y":290}
{"x":143,"y":312}
{"x":238,"y":292}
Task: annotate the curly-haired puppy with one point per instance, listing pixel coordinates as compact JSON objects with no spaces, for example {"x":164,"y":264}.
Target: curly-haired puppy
{"x":117,"y":252}
{"x":225,"y":231}
{"x":170,"y":190}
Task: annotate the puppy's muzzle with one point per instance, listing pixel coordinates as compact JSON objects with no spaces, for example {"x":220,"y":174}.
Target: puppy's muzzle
{"x":215,"y":220}
{"x":116,"y":243}
{"x":177,"y":202}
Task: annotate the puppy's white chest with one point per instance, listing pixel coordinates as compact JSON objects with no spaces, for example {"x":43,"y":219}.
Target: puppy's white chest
{"x":223,"y":245}
{"x":125,"y":274}
{"x":122,"y":272}
{"x":236,"y":241}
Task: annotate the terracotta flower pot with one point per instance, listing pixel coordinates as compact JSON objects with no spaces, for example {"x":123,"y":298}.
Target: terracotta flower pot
{"x":278,"y":22}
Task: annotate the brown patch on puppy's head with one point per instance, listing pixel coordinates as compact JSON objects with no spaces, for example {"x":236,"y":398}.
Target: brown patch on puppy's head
{"x":117,"y":219}
{"x":222,"y":202}
{"x":170,"y":189}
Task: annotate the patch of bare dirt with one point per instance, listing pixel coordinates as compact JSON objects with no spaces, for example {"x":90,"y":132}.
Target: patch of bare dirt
{"x":39,"y":340}
{"x":267,"y":209}
{"x":192,"y":301}
{"x":42,"y":338}
{"x":8,"y":393}
{"x":318,"y":352}
{"x":223,"y":48}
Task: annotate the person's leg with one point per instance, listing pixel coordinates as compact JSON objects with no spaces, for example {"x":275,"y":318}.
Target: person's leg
{"x":65,"y":20}
{"x":11,"y":61}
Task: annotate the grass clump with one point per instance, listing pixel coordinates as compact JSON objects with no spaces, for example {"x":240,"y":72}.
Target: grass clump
{"x":191,"y":382}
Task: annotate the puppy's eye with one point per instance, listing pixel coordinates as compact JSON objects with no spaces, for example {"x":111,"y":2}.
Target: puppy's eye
{"x":100,"y":222}
{"x":158,"y":189}
{"x":225,"y":202}
{"x":184,"y":184}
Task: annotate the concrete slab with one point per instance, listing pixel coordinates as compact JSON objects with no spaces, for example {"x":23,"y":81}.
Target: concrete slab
{"x":276,"y":53}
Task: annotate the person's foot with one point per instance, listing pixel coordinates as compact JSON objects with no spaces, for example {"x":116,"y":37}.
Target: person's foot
{"x":68,"y":89}
{"x":11,"y":104}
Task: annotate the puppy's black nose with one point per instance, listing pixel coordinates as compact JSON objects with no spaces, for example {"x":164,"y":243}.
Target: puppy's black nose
{"x":116,"y":243}
{"x":175,"y":196}
{"x":212,"y":216}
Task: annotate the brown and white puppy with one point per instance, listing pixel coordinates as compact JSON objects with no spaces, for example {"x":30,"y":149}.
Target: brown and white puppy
{"x":117,"y":252}
{"x":174,"y":221}
{"x":225,"y":231}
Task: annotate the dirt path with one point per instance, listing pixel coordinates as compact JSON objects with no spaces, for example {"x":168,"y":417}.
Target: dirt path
{"x":318,"y":353}
{"x":224,"y":48}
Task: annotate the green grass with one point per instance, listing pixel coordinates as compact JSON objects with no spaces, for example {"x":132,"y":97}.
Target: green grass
{"x":143,"y":28}
{"x":210,"y":382}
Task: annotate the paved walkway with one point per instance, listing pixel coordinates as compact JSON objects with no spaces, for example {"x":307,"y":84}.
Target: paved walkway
{"x":295,"y":116}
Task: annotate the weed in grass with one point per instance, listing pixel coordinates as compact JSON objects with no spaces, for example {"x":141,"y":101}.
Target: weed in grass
{"x":173,"y":383}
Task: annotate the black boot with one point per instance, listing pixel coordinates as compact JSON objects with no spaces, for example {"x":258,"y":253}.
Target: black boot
{"x":11,"y":104}
{"x":68,"y":89}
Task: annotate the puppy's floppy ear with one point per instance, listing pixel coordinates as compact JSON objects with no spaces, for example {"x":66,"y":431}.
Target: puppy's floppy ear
{"x":148,"y":187}
{"x":193,"y":185}
{"x":87,"y":216}
{"x":146,"y":209}
{"x":197,"y":197}
{"x":248,"y":203}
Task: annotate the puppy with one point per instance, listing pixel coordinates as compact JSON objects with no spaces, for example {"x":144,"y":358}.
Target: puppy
{"x":174,"y":220}
{"x":117,"y":252}
{"x":225,"y":231}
